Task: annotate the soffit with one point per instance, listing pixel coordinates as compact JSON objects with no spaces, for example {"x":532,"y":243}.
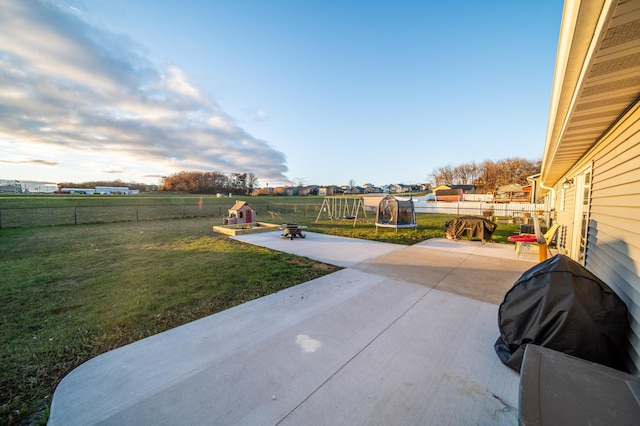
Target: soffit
{"x":596,"y":82}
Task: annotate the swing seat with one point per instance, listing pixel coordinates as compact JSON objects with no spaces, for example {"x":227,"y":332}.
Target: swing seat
{"x":349,"y":217}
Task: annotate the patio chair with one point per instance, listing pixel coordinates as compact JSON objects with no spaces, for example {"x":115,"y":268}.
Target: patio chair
{"x":547,"y":237}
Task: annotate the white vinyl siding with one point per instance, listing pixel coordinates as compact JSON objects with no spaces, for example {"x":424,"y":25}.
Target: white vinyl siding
{"x":613,"y":242}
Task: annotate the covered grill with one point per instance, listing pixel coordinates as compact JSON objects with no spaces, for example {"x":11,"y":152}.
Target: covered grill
{"x":470,"y":226}
{"x":560,"y":305}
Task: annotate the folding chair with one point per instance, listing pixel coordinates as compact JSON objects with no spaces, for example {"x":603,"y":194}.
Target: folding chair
{"x":542,"y":239}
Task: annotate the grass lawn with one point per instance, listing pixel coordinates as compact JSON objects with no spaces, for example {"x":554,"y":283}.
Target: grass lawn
{"x":429,"y":226}
{"x":69,"y":293}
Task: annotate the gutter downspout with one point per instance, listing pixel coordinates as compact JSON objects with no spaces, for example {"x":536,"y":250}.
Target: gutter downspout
{"x":553,"y":195}
{"x":532,"y":179}
{"x":553,"y":200}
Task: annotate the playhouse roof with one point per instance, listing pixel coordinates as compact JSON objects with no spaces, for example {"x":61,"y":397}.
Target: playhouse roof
{"x":240,"y":204}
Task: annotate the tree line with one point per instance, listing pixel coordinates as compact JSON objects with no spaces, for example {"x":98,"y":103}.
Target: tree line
{"x":488,"y":175}
{"x":190,"y":182}
{"x":210,"y":183}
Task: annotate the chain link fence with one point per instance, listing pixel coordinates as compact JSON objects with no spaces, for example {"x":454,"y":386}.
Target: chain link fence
{"x":14,"y":217}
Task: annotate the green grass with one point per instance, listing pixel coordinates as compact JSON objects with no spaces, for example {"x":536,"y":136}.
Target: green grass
{"x":69,"y":293}
{"x":429,"y":226}
{"x":53,"y":210}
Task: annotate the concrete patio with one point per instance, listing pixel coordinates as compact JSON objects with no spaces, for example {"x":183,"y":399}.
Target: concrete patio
{"x":402,"y":335}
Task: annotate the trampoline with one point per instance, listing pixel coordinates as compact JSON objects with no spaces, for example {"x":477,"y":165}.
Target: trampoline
{"x":395,"y":213}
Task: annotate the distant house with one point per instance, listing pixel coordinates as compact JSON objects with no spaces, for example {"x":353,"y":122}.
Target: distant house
{"x":329,"y":190}
{"x":512,"y":194}
{"x":309,"y":190}
{"x":450,"y":195}
{"x":354,"y":190}
{"x":441,"y":187}
{"x":453,"y":192}
{"x":398,"y":187}
{"x":371,"y":189}
{"x":466,"y":189}
{"x":292,"y":190}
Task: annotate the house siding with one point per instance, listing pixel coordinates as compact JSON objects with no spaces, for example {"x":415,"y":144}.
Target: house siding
{"x":613,"y":241}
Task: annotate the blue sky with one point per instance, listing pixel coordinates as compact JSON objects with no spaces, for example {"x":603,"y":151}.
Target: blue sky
{"x":312,"y":92}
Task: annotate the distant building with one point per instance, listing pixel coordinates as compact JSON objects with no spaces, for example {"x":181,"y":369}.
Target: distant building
{"x":43,"y":188}
{"x":513,"y":194}
{"x":451,"y":195}
{"x":466,"y":189}
{"x":329,"y":190}
{"x":309,"y":190}
{"x":400,"y":187}
{"x":11,"y":187}
{"x":292,"y":190}
{"x":82,"y":191}
{"x":111,"y":190}
{"x":371,"y":189}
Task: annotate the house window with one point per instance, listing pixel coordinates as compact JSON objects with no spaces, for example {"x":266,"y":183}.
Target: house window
{"x":580,"y":226}
{"x":584,"y":218}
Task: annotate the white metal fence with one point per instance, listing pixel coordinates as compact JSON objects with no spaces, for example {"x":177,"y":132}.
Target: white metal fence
{"x":476,"y":208}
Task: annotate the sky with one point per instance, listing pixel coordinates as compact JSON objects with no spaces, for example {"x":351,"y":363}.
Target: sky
{"x":293,"y":91}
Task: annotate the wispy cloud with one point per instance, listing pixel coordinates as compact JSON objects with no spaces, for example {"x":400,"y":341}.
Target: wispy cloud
{"x":260,"y":114}
{"x":69,"y":85}
{"x":31,"y":162}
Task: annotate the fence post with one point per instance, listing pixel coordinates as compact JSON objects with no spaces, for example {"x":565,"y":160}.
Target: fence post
{"x":75,"y":215}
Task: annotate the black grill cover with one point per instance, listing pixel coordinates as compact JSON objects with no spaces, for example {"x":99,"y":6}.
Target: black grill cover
{"x":560,"y":305}
{"x":470,"y":226}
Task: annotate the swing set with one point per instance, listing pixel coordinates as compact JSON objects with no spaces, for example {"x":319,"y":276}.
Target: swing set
{"x":342,"y":208}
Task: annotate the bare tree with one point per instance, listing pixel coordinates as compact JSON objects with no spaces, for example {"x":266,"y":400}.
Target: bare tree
{"x":488,"y":175}
{"x":444,"y":175}
{"x":252,"y":182}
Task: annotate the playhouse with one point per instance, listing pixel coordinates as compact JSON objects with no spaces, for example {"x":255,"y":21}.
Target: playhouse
{"x":241,"y":212}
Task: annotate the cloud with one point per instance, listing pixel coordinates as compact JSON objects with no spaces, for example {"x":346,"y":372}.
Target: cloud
{"x":70,"y":86}
{"x":32,"y":162}
{"x":260,"y":114}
